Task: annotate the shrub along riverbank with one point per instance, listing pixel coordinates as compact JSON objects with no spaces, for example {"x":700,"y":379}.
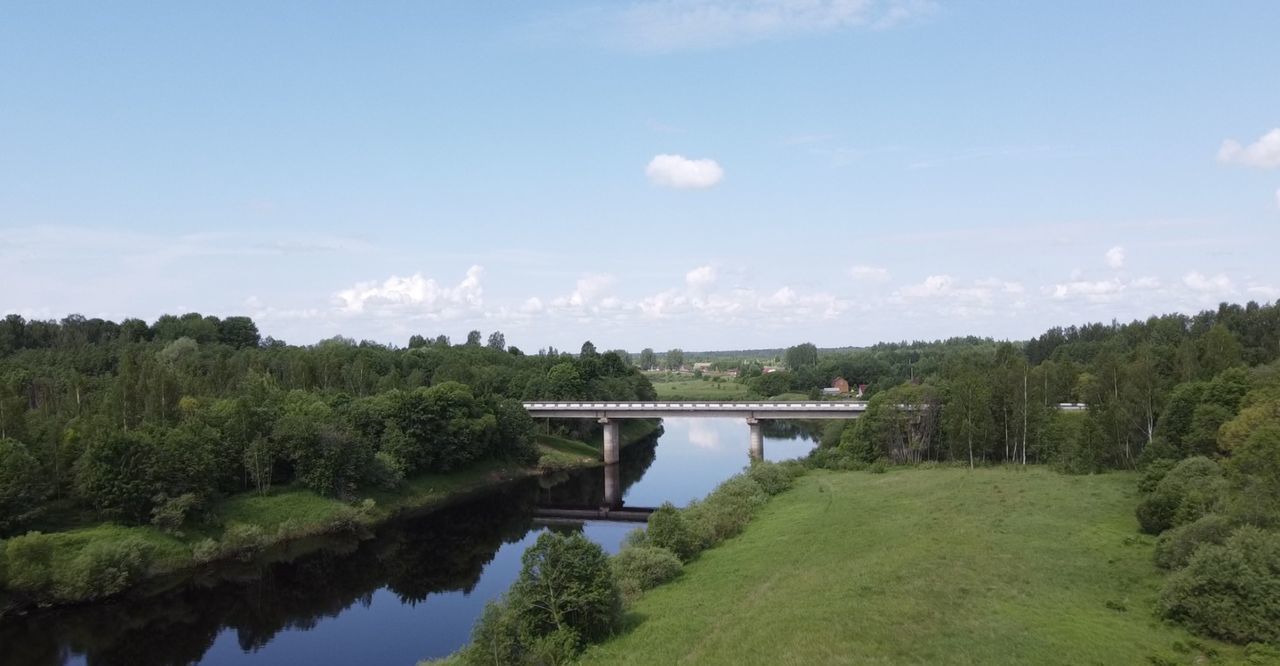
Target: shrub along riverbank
{"x":94,"y":562}
{"x":945,"y":565}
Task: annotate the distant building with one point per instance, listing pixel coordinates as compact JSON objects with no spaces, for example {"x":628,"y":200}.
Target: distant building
{"x":840,"y":384}
{"x":702,"y":366}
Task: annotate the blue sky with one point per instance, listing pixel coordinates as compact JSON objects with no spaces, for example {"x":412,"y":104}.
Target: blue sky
{"x":692,"y":173}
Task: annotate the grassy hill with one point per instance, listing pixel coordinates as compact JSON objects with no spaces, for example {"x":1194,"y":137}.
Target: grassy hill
{"x":940,"y":566}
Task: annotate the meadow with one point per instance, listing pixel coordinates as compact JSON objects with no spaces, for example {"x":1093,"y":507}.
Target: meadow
{"x":940,"y":566}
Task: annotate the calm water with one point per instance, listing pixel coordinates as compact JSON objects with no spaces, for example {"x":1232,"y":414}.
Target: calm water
{"x":411,"y":592}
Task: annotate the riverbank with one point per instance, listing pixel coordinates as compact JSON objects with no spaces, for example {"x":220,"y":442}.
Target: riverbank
{"x":95,"y":562}
{"x":945,"y":565}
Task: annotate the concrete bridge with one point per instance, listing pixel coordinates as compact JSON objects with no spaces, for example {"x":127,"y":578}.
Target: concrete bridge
{"x":608,"y":414}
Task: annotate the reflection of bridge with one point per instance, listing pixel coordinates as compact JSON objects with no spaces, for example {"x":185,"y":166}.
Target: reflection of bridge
{"x":609,"y":413}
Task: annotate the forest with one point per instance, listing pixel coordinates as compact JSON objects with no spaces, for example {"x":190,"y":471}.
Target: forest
{"x":152,"y":423}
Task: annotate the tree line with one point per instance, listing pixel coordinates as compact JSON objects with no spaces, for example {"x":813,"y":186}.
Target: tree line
{"x":153,"y":422}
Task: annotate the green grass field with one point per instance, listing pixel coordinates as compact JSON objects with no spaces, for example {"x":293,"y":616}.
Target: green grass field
{"x":941,"y":566}
{"x":702,"y":389}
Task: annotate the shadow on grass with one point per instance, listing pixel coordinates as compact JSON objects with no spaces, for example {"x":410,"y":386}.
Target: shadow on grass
{"x":631,"y":620}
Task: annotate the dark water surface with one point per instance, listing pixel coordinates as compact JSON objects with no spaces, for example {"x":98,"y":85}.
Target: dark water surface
{"x":411,"y":592}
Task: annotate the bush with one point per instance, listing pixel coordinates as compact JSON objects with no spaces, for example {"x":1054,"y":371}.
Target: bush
{"x":1193,"y":488}
{"x":101,"y":569}
{"x":772,"y":477}
{"x":169,"y":514}
{"x":880,"y":466}
{"x":725,"y":512}
{"x":1229,"y":591}
{"x":834,"y":459}
{"x":1153,"y":473}
{"x":386,"y":471}
{"x":646,"y":567}
{"x":29,"y":562}
{"x":669,"y":530}
{"x":239,"y":540}
{"x":1175,"y":547}
{"x":1155,"y":513}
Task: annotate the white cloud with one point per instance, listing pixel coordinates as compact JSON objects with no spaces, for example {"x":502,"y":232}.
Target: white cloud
{"x":934,"y":285}
{"x":700,"y":277}
{"x":1263,"y":153}
{"x":668,"y":25}
{"x":588,"y":290}
{"x":1147,"y":282}
{"x":1265,"y":291}
{"x":1217,"y":284}
{"x":1100,"y":291}
{"x":1115,"y":257}
{"x":682,"y":173}
{"x":869,"y":273}
{"x":415,"y":294}
{"x":1278,"y":197}
{"x":1001,"y":285}
{"x":945,"y":286}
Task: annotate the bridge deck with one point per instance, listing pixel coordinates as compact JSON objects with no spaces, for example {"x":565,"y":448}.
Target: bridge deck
{"x":648,"y":410}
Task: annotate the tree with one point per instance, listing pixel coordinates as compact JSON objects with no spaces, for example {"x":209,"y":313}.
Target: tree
{"x":473,"y":339}
{"x":648,"y":360}
{"x":21,"y":483}
{"x":563,"y":383}
{"x":675,"y":359}
{"x":966,"y":413}
{"x":116,"y":474}
{"x":1219,"y":350}
{"x":238,"y":333}
{"x":497,"y":341}
{"x":803,"y":355}
{"x":566,"y":583}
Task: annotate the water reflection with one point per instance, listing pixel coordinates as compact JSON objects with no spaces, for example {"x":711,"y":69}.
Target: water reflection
{"x":410,"y":592}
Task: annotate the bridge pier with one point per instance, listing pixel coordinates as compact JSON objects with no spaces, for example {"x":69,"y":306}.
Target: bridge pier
{"x":612,"y":486}
{"x":612,"y":440}
{"x":757,"y":439}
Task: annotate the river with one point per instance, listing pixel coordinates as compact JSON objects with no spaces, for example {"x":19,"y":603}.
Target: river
{"x":412,"y":592}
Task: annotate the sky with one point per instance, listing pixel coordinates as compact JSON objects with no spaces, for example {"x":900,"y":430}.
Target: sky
{"x":700,"y":174}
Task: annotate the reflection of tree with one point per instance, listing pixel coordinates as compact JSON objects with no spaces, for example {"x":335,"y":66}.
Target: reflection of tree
{"x":805,"y":430}
{"x":441,"y":552}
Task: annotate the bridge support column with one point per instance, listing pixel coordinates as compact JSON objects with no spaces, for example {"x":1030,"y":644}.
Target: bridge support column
{"x":612,"y":440}
{"x":612,"y":486}
{"x":757,"y":439}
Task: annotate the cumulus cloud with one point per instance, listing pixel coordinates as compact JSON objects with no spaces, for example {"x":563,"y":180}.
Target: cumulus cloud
{"x":682,"y":173}
{"x":945,"y":286}
{"x":415,"y":295}
{"x":1263,"y":153}
{"x":1217,"y":284}
{"x":700,"y":277}
{"x":869,"y":273}
{"x":588,"y":290}
{"x":1100,"y":291}
{"x":1115,"y":257}
{"x":669,"y":25}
